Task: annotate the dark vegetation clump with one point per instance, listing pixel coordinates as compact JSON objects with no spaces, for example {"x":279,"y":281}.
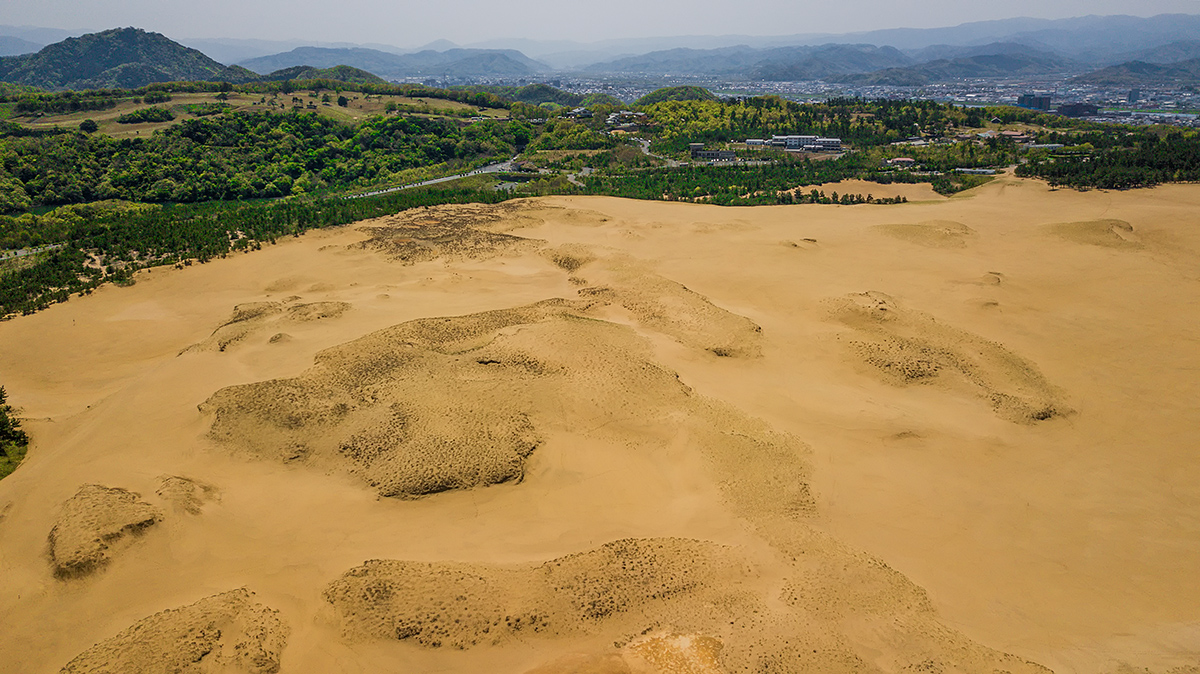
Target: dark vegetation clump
{"x":13,"y":440}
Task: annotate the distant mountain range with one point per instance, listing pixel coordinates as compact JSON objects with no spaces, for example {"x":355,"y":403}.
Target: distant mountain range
{"x":1172,"y":52}
{"x":1140,"y":73}
{"x":967,"y":67}
{"x":450,"y":63}
{"x":129,"y":58}
{"x":1128,"y":51}
{"x":1093,"y":40}
{"x":852,"y":63}
{"x":779,"y":64}
{"x":11,"y":46}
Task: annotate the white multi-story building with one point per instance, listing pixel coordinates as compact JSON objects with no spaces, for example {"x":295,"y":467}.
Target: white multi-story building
{"x":805,"y":143}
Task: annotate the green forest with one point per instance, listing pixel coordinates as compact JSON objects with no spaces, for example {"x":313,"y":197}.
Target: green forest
{"x":244,"y":155}
{"x":1119,"y":162}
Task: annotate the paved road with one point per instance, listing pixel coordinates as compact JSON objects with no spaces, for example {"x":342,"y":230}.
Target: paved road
{"x":10,"y":254}
{"x":645,"y":146}
{"x":490,"y":168}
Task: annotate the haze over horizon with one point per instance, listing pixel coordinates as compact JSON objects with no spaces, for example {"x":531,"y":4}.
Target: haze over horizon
{"x":470,"y":21}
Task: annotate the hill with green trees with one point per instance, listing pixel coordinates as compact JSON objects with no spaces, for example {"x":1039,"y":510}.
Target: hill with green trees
{"x":336,"y":73}
{"x":119,"y":58}
{"x":685,"y":93}
{"x":243,"y":155}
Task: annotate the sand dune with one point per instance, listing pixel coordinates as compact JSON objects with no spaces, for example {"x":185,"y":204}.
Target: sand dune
{"x":225,"y":632}
{"x":597,"y":435}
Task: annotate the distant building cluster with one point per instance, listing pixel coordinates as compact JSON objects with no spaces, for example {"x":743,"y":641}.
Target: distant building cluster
{"x":804,"y":143}
{"x":698,"y":152}
{"x":1034,"y":101}
{"x":626,"y":120}
{"x":1043,"y":102}
{"x":1078,"y":110}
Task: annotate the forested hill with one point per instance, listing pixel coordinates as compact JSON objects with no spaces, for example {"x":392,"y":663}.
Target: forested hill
{"x":118,"y":58}
{"x":336,"y":73}
{"x":1138,"y":73}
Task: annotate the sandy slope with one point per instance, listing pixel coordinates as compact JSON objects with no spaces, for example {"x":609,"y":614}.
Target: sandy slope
{"x":956,"y":435}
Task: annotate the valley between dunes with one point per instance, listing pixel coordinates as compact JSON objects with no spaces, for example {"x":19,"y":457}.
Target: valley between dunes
{"x":583,"y":434}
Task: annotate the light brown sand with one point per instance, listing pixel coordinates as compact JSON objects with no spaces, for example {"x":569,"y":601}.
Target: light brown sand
{"x":947,"y":436}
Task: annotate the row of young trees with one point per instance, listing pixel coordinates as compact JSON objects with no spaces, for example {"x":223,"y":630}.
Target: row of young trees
{"x":1137,"y":160}
{"x":861,"y":122}
{"x":738,"y":184}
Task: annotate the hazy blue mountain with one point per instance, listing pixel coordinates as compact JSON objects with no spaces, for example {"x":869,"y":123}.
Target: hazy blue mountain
{"x":828,"y":61}
{"x":685,"y":61}
{"x":939,"y":52}
{"x":122,"y":57}
{"x":1089,"y":38}
{"x":452,"y":62}
{"x":1173,"y":52}
{"x":1138,"y":73}
{"x":781,"y":63}
{"x":12,"y":46}
{"x":38,"y":35}
{"x":969,"y":67}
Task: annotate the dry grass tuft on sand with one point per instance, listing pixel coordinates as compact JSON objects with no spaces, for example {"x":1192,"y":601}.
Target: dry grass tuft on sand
{"x":454,"y":232}
{"x":908,"y":347}
{"x":95,"y":524}
{"x":228,"y":632}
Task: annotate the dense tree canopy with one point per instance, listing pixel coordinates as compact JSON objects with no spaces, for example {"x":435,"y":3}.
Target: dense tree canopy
{"x":238,"y":156}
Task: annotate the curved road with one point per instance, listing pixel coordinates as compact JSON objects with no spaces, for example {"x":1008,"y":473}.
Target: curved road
{"x":490,"y":168}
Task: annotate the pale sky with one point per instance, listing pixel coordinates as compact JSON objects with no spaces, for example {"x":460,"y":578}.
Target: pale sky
{"x":406,"y":23}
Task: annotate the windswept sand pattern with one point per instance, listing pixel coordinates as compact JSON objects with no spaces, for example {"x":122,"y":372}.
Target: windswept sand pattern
{"x":659,"y":303}
{"x":908,"y":347}
{"x":1107,"y":233}
{"x":94,"y":525}
{"x":931,"y":233}
{"x":251,"y":317}
{"x":228,"y":632}
{"x":456,"y":231}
